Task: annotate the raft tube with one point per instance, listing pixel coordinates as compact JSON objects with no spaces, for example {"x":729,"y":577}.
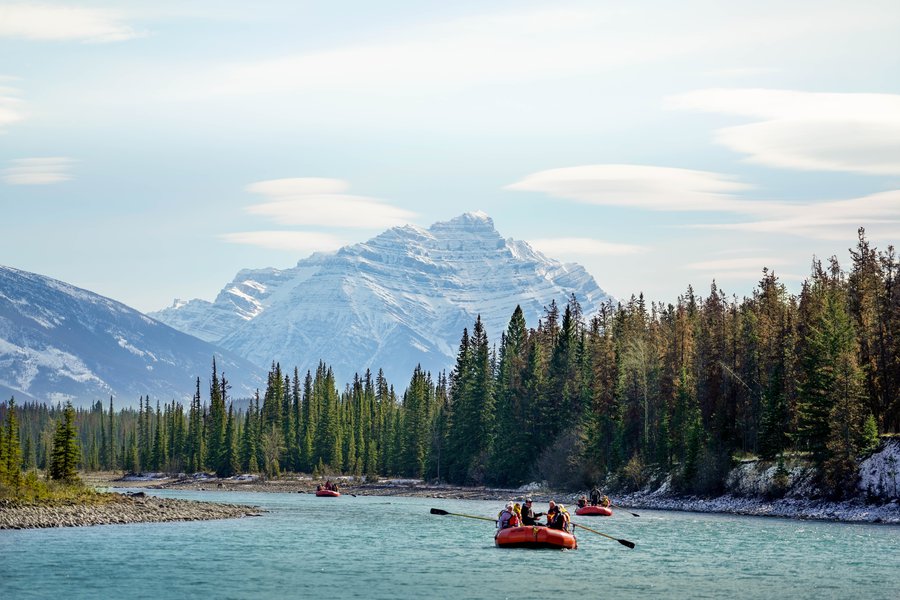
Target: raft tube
{"x":594,"y":511}
{"x":535,"y":537}
{"x":327,"y":493}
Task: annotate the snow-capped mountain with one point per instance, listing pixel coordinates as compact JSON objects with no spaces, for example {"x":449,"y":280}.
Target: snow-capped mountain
{"x":59,"y":342}
{"x":397,"y":300}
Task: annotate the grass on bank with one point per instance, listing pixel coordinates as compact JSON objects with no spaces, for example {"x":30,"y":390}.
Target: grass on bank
{"x":35,"y":490}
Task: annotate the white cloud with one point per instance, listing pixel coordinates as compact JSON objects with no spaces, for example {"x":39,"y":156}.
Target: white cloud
{"x":58,"y":23}
{"x":38,"y":171}
{"x":641,"y":186}
{"x":731,"y":264}
{"x":534,"y":44}
{"x":294,"y":241}
{"x":670,"y":189}
{"x":296,"y":186}
{"x":11,"y":106}
{"x":584,"y":246}
{"x":833,"y":220}
{"x":737,"y":72}
{"x":744,"y":269}
{"x":316,"y":201}
{"x":857,"y":133}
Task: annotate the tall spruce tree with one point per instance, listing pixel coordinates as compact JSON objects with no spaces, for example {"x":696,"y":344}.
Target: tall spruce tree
{"x":215,"y":441}
{"x":12,"y":453}
{"x":65,"y":455}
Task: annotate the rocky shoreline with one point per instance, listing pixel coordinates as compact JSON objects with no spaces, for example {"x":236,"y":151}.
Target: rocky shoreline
{"x":852,"y":511}
{"x":117,"y":509}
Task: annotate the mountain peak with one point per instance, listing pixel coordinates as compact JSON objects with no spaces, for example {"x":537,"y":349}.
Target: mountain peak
{"x":477,"y":219}
{"x":476,"y":222}
{"x":397,"y":300}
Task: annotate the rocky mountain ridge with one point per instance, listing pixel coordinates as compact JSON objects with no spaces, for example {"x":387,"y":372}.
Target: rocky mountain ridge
{"x":397,"y":300}
{"x":59,"y":342}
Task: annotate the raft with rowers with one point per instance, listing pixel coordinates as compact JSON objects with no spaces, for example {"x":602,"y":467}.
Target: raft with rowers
{"x":518,"y":527}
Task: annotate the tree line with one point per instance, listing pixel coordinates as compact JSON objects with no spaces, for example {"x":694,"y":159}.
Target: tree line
{"x":682,"y":387}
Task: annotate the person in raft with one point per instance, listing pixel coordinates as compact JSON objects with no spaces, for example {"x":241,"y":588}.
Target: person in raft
{"x":517,"y":513}
{"x":595,"y":496}
{"x":582,"y":502}
{"x":551,"y":513}
{"x":529,"y":517}
{"x":507,"y":518}
{"x":559,"y":519}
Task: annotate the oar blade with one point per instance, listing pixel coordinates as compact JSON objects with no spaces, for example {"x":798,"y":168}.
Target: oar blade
{"x":626,"y":543}
{"x":438,"y":511}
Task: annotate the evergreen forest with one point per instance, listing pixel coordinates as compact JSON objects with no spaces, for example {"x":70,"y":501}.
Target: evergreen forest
{"x":685,"y":388}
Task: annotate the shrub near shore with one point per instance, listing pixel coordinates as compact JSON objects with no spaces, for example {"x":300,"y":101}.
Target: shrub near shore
{"x":33,"y":490}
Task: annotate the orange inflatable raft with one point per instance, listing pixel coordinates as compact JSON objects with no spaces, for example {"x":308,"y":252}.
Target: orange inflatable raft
{"x":594,"y":511}
{"x":534,"y":537}
{"x":327,"y":493}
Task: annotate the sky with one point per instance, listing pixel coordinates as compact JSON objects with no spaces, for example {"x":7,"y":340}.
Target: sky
{"x":151,"y":150}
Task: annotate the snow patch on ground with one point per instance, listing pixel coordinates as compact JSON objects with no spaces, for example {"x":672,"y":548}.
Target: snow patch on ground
{"x":123,"y":343}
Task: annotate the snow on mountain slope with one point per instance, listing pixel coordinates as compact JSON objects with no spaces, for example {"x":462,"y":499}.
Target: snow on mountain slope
{"x":399,"y":299}
{"x":59,"y":342}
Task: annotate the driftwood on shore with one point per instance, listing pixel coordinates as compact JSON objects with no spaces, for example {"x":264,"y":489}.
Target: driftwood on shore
{"x":120,"y":509}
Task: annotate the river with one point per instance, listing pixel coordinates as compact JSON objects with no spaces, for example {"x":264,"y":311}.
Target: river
{"x":389,"y":547}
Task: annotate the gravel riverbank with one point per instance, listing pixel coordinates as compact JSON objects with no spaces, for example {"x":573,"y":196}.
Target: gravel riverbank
{"x":117,"y":509}
{"x":849,"y":511}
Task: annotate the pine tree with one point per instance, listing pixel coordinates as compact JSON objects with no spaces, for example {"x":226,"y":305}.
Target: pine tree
{"x":64,"y":461}
{"x":194,"y":443}
{"x":827,"y":342}
{"x":417,"y":430}
{"x":132,"y":460}
{"x":104,"y":442}
{"x":230,"y":464}
{"x":13,"y":453}
{"x":111,"y":448}
{"x":287,"y":425}
{"x":3,"y":450}
{"x":512,"y":446}
{"x":249,"y":439}
{"x":847,"y":426}
{"x":159,"y":444}
{"x":460,"y":425}
{"x":216,"y":438}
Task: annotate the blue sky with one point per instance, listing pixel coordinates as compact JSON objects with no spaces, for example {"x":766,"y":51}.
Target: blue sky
{"x":149,"y":151}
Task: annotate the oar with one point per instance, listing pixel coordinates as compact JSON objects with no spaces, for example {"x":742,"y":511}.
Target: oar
{"x":438,"y":511}
{"x":622,"y":509}
{"x":623,"y":542}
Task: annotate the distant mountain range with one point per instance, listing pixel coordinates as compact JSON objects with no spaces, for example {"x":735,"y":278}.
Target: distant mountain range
{"x":59,"y":342}
{"x":395,"y":301}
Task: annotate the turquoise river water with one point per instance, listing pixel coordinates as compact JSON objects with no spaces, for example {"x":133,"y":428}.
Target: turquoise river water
{"x":388,"y":547}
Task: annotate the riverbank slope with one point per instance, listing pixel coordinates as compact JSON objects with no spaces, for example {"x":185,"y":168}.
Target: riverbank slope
{"x":115,"y":509}
{"x":855,"y":510}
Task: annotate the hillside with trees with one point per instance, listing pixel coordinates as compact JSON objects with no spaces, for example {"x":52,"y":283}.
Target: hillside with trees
{"x":684,"y":387}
